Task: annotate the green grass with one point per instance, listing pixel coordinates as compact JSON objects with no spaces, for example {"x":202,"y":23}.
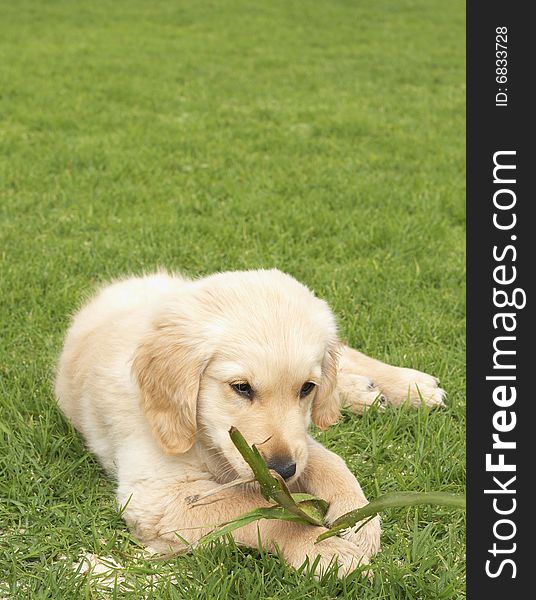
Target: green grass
{"x":324,"y":138}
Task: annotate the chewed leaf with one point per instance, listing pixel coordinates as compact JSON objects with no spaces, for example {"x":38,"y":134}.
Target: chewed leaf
{"x":312,"y":505}
{"x":301,"y":497}
{"x":268,"y":483}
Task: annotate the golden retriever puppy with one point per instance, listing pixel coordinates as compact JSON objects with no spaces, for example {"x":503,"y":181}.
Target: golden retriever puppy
{"x":155,"y":370}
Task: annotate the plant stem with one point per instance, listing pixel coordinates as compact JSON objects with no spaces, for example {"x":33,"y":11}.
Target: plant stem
{"x":392,"y":500}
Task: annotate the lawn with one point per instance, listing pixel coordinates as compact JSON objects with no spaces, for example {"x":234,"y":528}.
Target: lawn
{"x":323,"y":138}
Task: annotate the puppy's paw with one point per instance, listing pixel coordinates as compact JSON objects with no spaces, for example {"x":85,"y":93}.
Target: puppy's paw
{"x":333,"y":551}
{"x":357,"y":392}
{"x":345,"y":554}
{"x":408,"y":385}
{"x":364,"y":535}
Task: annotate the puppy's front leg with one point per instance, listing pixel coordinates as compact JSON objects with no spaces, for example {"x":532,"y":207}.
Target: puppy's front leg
{"x":327,"y":476}
{"x":171,"y":519}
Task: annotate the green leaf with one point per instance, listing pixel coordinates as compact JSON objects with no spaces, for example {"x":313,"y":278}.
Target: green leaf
{"x":271,"y":512}
{"x":393,"y":500}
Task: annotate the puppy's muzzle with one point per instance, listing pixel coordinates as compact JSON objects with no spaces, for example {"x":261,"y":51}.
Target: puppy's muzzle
{"x":285,"y":466}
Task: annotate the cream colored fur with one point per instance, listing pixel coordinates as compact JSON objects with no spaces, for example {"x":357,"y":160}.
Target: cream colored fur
{"x":145,"y":375}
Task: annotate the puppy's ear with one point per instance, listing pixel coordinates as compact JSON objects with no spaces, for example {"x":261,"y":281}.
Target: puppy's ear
{"x":326,"y":405}
{"x":168,"y":370}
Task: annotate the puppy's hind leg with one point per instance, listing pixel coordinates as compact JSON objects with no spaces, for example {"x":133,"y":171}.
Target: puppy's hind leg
{"x":358,"y":392}
{"x":396,"y":384}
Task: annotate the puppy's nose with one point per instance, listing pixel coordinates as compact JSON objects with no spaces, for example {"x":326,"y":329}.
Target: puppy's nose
{"x":284,"y":466}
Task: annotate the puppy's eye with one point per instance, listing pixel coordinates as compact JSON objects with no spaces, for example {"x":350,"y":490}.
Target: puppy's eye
{"x":306,"y":389}
{"x":243,"y":389}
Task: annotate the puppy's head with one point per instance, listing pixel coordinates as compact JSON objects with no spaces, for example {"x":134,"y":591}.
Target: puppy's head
{"x":254,"y":350}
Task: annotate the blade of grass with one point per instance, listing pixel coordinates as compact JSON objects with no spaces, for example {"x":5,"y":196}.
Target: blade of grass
{"x":392,"y":500}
